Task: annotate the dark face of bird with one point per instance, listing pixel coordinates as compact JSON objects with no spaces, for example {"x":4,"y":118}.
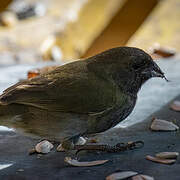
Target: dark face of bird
{"x":146,"y":68}
{"x":134,"y":68}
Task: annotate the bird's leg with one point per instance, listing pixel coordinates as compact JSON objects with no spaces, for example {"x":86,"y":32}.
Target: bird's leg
{"x":69,"y":143}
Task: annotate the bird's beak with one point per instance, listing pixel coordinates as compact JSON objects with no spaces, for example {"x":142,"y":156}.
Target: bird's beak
{"x":156,"y":72}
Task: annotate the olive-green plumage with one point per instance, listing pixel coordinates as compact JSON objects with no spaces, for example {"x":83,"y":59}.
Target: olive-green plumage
{"x":85,"y":96}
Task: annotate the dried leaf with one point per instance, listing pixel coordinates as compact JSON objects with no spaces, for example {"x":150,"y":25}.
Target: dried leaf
{"x":44,"y":147}
{"x":175,"y":106}
{"x":75,"y":162}
{"x":37,"y":72}
{"x":121,"y":175}
{"x":32,"y":74}
{"x":162,"y":125}
{"x":167,"y":155}
{"x":159,"y":160}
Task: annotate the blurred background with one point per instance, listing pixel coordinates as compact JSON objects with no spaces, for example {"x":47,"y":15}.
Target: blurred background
{"x":34,"y":31}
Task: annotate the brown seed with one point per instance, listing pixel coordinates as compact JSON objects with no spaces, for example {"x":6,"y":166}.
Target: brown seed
{"x":167,"y":155}
{"x":75,"y":162}
{"x":175,"y":106}
{"x":159,"y":160}
{"x":162,"y":125}
{"x":121,"y":175}
{"x":44,"y":147}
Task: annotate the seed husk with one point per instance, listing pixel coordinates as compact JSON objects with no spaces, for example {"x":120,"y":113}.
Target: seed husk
{"x":167,"y":155}
{"x":137,"y":177}
{"x":145,"y":177}
{"x":175,"y":106}
{"x":159,"y":160}
{"x":142,"y":177}
{"x":44,"y":147}
{"x":60,"y":148}
{"x":121,"y":175}
{"x":162,"y":125}
{"x":75,"y":162}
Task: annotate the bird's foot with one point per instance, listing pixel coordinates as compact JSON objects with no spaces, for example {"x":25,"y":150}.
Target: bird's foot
{"x":69,"y":143}
{"x":107,"y":148}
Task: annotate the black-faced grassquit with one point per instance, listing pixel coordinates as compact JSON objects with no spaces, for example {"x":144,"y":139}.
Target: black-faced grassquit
{"x":80,"y":98}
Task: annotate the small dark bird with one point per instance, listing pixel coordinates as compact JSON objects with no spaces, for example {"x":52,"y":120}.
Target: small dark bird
{"x":80,"y":98}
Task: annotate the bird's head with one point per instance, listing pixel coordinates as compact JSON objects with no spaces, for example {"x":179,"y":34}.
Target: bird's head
{"x":129,"y":67}
{"x":143,"y":66}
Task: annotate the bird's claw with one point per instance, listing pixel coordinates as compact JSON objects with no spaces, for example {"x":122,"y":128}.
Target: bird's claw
{"x":107,"y":148}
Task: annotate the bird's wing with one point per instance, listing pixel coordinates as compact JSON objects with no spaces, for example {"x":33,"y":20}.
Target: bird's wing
{"x":77,"y":91}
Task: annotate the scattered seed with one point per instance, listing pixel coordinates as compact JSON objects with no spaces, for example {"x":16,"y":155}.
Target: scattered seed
{"x":175,"y":106}
{"x":60,"y":148}
{"x":162,"y":125}
{"x":142,"y":177}
{"x":159,"y":160}
{"x":145,"y":177}
{"x":75,"y":162}
{"x":44,"y":147}
{"x":121,"y":175}
{"x":167,"y":155}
